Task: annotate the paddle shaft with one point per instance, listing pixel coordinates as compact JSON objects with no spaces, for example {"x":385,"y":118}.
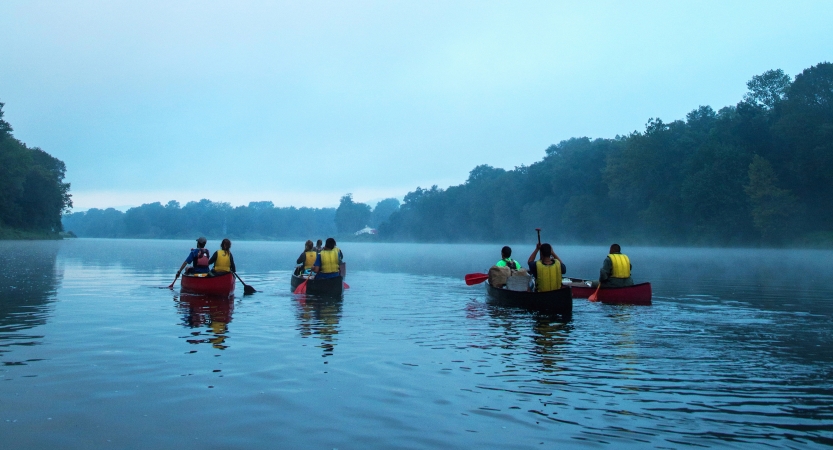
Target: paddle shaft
{"x":174,"y":282}
{"x":539,"y":235}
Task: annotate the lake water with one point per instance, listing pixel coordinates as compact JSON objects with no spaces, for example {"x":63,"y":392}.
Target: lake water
{"x":736,"y":352}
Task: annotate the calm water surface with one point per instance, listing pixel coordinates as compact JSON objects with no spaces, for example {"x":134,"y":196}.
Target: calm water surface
{"x":736,"y":352}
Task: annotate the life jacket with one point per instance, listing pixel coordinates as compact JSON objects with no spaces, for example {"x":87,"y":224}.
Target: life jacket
{"x":201,"y":260}
{"x":511,"y":263}
{"x":223,"y":261}
{"x":310,"y":259}
{"x":621,"y":265}
{"x":548,"y":277}
{"x":329,"y":261}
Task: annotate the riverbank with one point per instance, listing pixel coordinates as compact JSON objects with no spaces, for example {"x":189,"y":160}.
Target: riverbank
{"x":12,"y":234}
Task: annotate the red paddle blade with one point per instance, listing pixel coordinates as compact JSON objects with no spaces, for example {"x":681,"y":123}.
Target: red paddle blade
{"x":476,"y":278}
{"x":594,"y":297}
{"x":302,"y":288}
{"x":346,"y":286}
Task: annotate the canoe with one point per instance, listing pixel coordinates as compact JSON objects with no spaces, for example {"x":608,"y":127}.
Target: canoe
{"x":638,"y":294}
{"x":320,"y":286}
{"x":219,"y":285}
{"x":553,"y":302}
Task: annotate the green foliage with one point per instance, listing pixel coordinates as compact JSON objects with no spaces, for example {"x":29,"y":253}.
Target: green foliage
{"x":33,"y":195}
{"x":383,"y":210}
{"x":759,"y":172}
{"x":351,"y":216}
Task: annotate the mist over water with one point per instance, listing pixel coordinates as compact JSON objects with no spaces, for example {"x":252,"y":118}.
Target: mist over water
{"x":734,"y":351}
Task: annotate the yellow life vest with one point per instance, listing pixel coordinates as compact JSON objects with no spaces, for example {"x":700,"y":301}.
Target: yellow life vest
{"x":621,"y":265}
{"x":310,"y":259}
{"x":548,"y":277}
{"x":329,"y":261}
{"x":223,"y":261}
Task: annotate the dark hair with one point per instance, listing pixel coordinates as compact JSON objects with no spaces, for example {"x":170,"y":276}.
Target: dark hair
{"x":331,"y":243}
{"x":318,"y":242}
{"x":615,"y":248}
{"x":506,"y":251}
{"x":225,"y":245}
{"x":307,"y":246}
{"x":546,"y":250}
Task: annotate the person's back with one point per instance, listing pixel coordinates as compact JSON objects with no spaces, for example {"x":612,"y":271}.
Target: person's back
{"x":616,"y":269}
{"x":506,"y":261}
{"x":307,"y":257}
{"x":222,"y":259}
{"x":327,"y":263}
{"x":548,"y":271}
{"x":198,"y":258}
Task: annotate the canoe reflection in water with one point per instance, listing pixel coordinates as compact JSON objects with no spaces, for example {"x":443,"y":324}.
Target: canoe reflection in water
{"x":549,"y":333}
{"x":213,"y":313}
{"x":319,"y":316}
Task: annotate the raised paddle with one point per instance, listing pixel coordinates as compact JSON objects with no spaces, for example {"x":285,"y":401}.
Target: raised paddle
{"x":476,"y":278}
{"x":539,"y":235}
{"x":247,"y":290}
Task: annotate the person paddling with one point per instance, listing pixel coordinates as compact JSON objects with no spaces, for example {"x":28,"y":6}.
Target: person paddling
{"x":328,"y":262}
{"x":548,"y":270}
{"x":616,"y":269}
{"x":506,"y":261}
{"x":222,"y":259}
{"x":307,"y":258}
{"x":198,"y":258}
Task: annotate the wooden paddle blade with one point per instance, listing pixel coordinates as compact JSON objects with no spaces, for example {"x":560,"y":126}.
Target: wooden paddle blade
{"x":302,"y":288}
{"x":476,"y":278}
{"x":346,"y":286}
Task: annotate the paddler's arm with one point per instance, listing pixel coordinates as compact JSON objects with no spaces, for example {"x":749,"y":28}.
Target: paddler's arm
{"x":607,"y":269}
{"x":534,"y":254}
{"x":231,"y":260}
{"x":563,"y":267}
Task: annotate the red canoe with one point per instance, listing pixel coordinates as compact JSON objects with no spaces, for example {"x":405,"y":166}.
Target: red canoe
{"x":638,"y":294}
{"x":220,"y":285}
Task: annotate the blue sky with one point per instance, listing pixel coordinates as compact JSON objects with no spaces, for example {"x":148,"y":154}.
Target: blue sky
{"x":302,"y":102}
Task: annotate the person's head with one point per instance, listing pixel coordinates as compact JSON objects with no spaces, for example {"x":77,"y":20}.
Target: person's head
{"x":546,"y":250}
{"x":331,"y":244}
{"x":615,"y":248}
{"x":506,"y":252}
{"x":318,"y":243}
{"x":308,"y":246}
{"x":201,"y":242}
{"x":225,"y":245}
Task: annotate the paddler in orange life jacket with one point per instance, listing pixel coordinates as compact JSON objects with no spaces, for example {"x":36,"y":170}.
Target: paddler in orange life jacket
{"x":307,"y":258}
{"x":198,"y":258}
{"x":328,"y":262}
{"x":222,"y":259}
{"x":506,"y":261}
{"x":548,"y":270}
{"x":616,"y":269}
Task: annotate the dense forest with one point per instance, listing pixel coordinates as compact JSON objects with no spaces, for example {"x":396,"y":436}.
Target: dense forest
{"x":756,"y":173}
{"x":33,"y":194}
{"x":258,"y":220}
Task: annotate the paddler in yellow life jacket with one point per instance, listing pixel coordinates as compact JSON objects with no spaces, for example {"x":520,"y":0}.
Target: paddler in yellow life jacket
{"x":222,"y":259}
{"x":328,"y":262}
{"x":616,"y":269}
{"x":548,"y":270}
{"x":307,"y":258}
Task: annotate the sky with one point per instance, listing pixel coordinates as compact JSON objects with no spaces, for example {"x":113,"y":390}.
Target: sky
{"x":300,"y":102}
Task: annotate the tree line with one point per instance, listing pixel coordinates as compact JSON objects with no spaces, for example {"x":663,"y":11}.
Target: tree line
{"x":756,"y":173}
{"x":33,"y":195}
{"x":257,"y":220}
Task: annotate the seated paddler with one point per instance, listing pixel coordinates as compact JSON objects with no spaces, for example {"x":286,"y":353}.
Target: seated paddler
{"x":222,"y":259}
{"x":328,"y":262}
{"x":307,"y":258}
{"x":548,"y":270}
{"x":616,"y":269}
{"x":198,"y":258}
{"x":506,"y":261}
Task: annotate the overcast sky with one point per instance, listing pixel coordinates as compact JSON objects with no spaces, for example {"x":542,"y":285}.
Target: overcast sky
{"x":301,"y":102}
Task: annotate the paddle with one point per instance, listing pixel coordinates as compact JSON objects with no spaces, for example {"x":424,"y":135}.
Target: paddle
{"x":302,"y":288}
{"x":594,"y":297}
{"x":247,"y":290}
{"x":172,"y":284}
{"x":539,"y":235}
{"x":476,"y":278}
{"x":346,"y":286}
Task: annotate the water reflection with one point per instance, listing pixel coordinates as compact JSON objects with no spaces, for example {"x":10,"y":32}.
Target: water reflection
{"x":27,"y":291}
{"x":549,"y":335}
{"x":319,"y":316}
{"x":213,"y":313}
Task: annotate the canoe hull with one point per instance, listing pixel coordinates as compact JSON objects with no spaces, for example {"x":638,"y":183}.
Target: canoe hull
{"x":638,"y":294}
{"x":220,"y":285}
{"x":553,"y":302}
{"x":320,"y":286}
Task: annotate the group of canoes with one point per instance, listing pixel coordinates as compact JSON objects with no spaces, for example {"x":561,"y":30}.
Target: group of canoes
{"x":544,"y":287}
